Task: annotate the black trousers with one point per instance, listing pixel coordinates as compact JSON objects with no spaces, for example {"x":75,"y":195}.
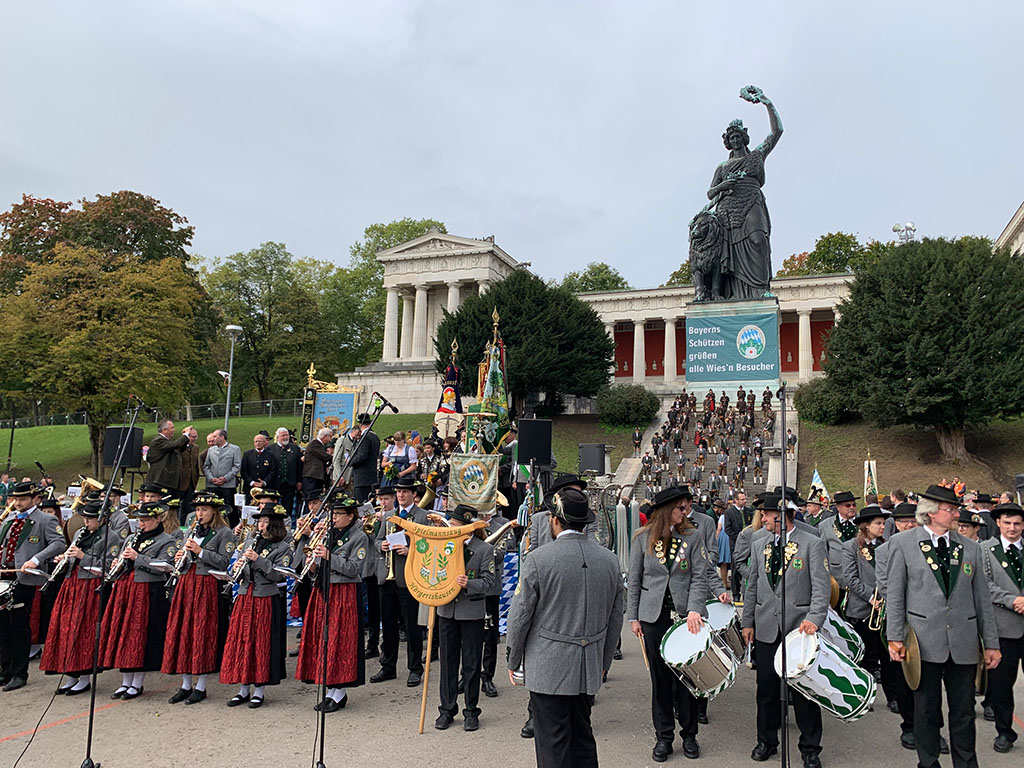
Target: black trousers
{"x":372,"y":611}
{"x":460,"y":641}
{"x":769,"y":704}
{"x":669,"y":696}
{"x":490,"y":652}
{"x":1001,"y":681}
{"x":563,"y":736}
{"x":288,"y":500}
{"x":16,"y":633}
{"x":959,"y":681}
{"x":395,"y":602}
{"x":227,"y":495}
{"x":903,"y":695}
{"x":361,"y":492}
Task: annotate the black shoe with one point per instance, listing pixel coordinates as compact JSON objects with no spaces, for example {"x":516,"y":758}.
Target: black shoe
{"x":811,"y":760}
{"x":989,"y":714}
{"x":181,"y":695}
{"x":37,"y":653}
{"x":372,"y":652}
{"x":489,"y":689}
{"x":617,"y":655}
{"x":132,"y":693}
{"x":471,"y":723}
{"x":527,"y":730}
{"x":328,"y":705}
{"x":662,"y":749}
{"x":943,"y":745}
{"x":877,"y":674}
{"x":195,"y":697}
{"x":15,"y":683}
{"x":1002,"y":744}
{"x":691,"y":748}
{"x":893,"y":706}
{"x":762,"y":752}
{"x":256,"y":702}
{"x":907,"y":740}
{"x":444,"y":721}
{"x":121,"y":691}
{"x":702,"y":718}
{"x":383,"y":675}
{"x":77,"y":691}
{"x":237,"y":700}
{"x":4,"y":679}
{"x":401,"y":636}
{"x":415,"y":678}
{"x":294,"y":653}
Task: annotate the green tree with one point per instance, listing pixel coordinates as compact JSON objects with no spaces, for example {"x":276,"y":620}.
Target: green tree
{"x":931,"y":336}
{"x":682,"y":276}
{"x":555,"y":343}
{"x":833,"y":252}
{"x":596,"y":276}
{"x":90,"y":328}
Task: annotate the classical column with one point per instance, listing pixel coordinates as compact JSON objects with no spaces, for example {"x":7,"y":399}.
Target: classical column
{"x":670,"y":349}
{"x":806,"y":357}
{"x":483,"y":286}
{"x":419,"y":328}
{"x":407,"y":323}
{"x":639,"y":353}
{"x":453,"y":296}
{"x":391,"y":325}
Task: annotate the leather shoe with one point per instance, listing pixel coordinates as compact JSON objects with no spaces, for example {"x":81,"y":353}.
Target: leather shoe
{"x":237,"y":700}
{"x":489,"y":689}
{"x":329,"y":705}
{"x":907,"y":740}
{"x":893,"y":706}
{"x":471,"y":723}
{"x":181,"y":695}
{"x":462,"y":687}
{"x":15,"y":683}
{"x":415,"y":678}
{"x":1002,"y":744}
{"x":989,"y":714}
{"x":371,"y":653}
{"x":702,"y":718}
{"x":617,"y":655}
{"x":294,"y":652}
{"x":383,"y":675}
{"x":256,"y":702}
{"x":5,"y":679}
{"x":527,"y":730}
{"x":444,"y":721}
{"x":762,"y":752}
{"x":77,"y":691}
{"x":811,"y":760}
{"x":662,"y":749}
{"x":691,"y":748}
{"x":132,"y":693}
{"x":115,"y":695}
{"x":195,"y":697}
{"x":943,"y":746}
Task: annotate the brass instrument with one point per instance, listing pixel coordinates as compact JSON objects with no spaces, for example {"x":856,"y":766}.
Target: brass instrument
{"x":315,"y":541}
{"x":389,"y":556}
{"x":427,"y":500}
{"x":64,"y":565}
{"x":183,"y":560}
{"x":435,"y":518}
{"x":500,"y":538}
{"x":877,"y":617}
{"x":118,"y":565}
{"x":7,"y":511}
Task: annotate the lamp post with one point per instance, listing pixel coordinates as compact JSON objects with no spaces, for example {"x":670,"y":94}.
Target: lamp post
{"x":232,"y":331}
{"x":905,"y":232}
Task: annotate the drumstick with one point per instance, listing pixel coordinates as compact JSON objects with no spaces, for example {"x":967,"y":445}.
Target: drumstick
{"x":643,"y":650}
{"x":803,"y":651}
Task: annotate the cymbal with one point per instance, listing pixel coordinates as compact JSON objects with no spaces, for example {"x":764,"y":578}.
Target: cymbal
{"x":833,"y":598}
{"x":912,"y":659}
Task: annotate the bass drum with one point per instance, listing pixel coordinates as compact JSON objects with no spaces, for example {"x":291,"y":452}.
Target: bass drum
{"x":702,"y":665}
{"x":7,"y":594}
{"x":725,"y":628}
{"x":826,"y":676}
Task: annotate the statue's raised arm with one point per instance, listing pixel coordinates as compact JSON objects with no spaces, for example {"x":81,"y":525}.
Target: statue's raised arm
{"x":755,"y":95}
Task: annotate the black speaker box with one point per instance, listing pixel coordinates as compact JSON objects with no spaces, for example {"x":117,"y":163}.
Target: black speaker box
{"x":535,"y":441}
{"x":132,"y":453}
{"x":592,"y":457}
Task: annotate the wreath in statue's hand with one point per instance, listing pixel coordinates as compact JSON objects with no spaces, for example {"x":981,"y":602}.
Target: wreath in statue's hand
{"x":752,"y":93}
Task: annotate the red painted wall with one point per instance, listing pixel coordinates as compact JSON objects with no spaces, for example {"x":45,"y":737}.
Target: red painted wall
{"x":789,"y":346}
{"x":820,"y":329}
{"x":654,"y":351}
{"x":624,"y":353}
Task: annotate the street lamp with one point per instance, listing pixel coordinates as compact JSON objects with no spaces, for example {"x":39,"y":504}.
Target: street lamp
{"x":232,"y":331}
{"x":905,"y":232}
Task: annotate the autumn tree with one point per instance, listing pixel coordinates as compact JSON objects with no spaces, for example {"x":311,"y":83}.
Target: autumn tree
{"x":682,"y":276}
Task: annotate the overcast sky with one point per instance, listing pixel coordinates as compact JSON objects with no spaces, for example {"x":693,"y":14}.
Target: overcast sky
{"x":571,"y":131}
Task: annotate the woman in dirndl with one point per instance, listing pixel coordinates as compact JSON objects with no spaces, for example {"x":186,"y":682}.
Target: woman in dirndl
{"x":197,"y":625}
{"x":69,"y":638}
{"x":134,"y":626}
{"x":668,"y":572}
{"x":345,"y":551}
{"x":254,"y":653}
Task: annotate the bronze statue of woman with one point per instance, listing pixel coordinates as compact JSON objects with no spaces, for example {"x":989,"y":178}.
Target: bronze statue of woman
{"x":746,"y":256}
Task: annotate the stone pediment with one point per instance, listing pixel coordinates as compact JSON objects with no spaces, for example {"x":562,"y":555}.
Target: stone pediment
{"x":437,"y":243}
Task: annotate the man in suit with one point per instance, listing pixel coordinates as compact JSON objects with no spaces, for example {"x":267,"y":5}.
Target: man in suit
{"x":836,"y":531}
{"x":935,"y":585}
{"x":221,"y":465}
{"x":316,"y":459}
{"x":29,"y":539}
{"x":802,"y":562}
{"x":737,"y":517}
{"x":259,"y":466}
{"x":564,"y":622}
{"x":1004,"y":566}
{"x":364,"y":460}
{"x":289,"y":468}
{"x":164,"y":455}
{"x":190,"y":472}
{"x":395,"y":599}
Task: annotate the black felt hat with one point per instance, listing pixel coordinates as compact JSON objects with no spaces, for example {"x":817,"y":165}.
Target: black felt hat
{"x":1008,"y":508}
{"x":941,"y":494}
{"x":572,"y":506}
{"x":463,"y":513}
{"x":868,"y":514}
{"x":844,"y":497}
{"x":905,"y":511}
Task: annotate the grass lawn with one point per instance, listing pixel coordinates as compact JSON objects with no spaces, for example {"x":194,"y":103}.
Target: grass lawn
{"x":908,"y":457}
{"x":64,"y":450}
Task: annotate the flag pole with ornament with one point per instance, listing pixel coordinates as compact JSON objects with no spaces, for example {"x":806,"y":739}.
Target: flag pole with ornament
{"x":449,"y":418}
{"x":870,"y":476}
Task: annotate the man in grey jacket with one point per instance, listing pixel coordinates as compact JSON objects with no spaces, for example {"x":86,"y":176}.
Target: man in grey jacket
{"x":221,"y":465}
{"x":564,"y":622}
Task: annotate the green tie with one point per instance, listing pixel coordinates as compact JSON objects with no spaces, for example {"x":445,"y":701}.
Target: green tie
{"x":942,"y":548}
{"x":1014,"y":559}
{"x":774,"y":564}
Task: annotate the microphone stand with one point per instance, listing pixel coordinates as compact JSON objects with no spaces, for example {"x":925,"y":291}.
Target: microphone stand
{"x":324,"y":577}
{"x":131,"y":415}
{"x":783,"y":531}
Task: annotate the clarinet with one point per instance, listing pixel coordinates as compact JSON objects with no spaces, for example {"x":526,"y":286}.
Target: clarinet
{"x":120,"y":562}
{"x":65,"y":564}
{"x":183,"y":560}
{"x":252,"y":541}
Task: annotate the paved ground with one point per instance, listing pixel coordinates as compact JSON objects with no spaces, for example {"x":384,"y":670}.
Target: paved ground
{"x":380,"y":722}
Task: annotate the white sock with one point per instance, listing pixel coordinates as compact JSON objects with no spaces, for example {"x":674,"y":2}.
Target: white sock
{"x":33,"y":648}
{"x":243,"y":691}
{"x":201,"y":683}
{"x":186,"y":682}
{"x":80,"y":684}
{"x":336,"y":693}
{"x":257,"y":692}
{"x":138,"y":679}
{"x":71,"y":683}
{"x":126,"y":679}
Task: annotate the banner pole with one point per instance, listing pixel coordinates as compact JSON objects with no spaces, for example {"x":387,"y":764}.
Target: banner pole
{"x":426,"y":671}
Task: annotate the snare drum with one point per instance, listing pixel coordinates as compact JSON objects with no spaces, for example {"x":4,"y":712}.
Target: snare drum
{"x":7,"y":593}
{"x":705,"y":667}
{"x":827,"y":676}
{"x":843,"y":636}
{"x":725,"y":628}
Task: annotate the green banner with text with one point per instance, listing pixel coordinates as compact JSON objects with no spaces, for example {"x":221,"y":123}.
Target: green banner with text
{"x":732,"y":348}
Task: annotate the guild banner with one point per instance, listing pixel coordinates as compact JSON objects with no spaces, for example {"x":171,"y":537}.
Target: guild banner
{"x":473,"y":480}
{"x":335,"y":410}
{"x":436,"y":559}
{"x":732,"y":348}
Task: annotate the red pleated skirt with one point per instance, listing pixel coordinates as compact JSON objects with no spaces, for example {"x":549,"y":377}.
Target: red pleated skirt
{"x":194,"y":640}
{"x":344,"y":639}
{"x":254,"y":653}
{"x":69,"y":641}
{"x":34,"y":618}
{"x":132,"y":635}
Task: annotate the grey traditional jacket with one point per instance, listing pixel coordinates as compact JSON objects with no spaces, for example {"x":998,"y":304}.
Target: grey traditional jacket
{"x":260,"y":575}
{"x":1004,"y":588}
{"x":540,"y":529}
{"x":348,"y":555}
{"x":948,"y":626}
{"x":40,"y":539}
{"x":217,"y":544}
{"x":161,"y":548}
{"x":417,"y":515}
{"x":95,"y":555}
{"x":859,"y":575}
{"x":805,"y":569}
{"x":565,"y":619}
{"x":469,"y":604}
{"x":651,"y":574}
{"x":499,"y":554}
{"x":827,"y":530}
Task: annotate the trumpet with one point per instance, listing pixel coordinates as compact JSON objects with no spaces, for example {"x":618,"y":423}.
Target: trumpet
{"x":315,"y":541}
{"x":877,"y":617}
{"x":389,"y":557}
{"x":7,"y":511}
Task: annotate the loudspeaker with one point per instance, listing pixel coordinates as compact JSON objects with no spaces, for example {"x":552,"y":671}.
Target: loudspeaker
{"x":592,"y":457}
{"x":535,"y":441}
{"x":1018,"y":482}
{"x":132,"y":458}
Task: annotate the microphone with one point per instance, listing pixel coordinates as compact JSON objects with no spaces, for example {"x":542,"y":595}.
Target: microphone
{"x":142,"y":404}
{"x":379,"y":396}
